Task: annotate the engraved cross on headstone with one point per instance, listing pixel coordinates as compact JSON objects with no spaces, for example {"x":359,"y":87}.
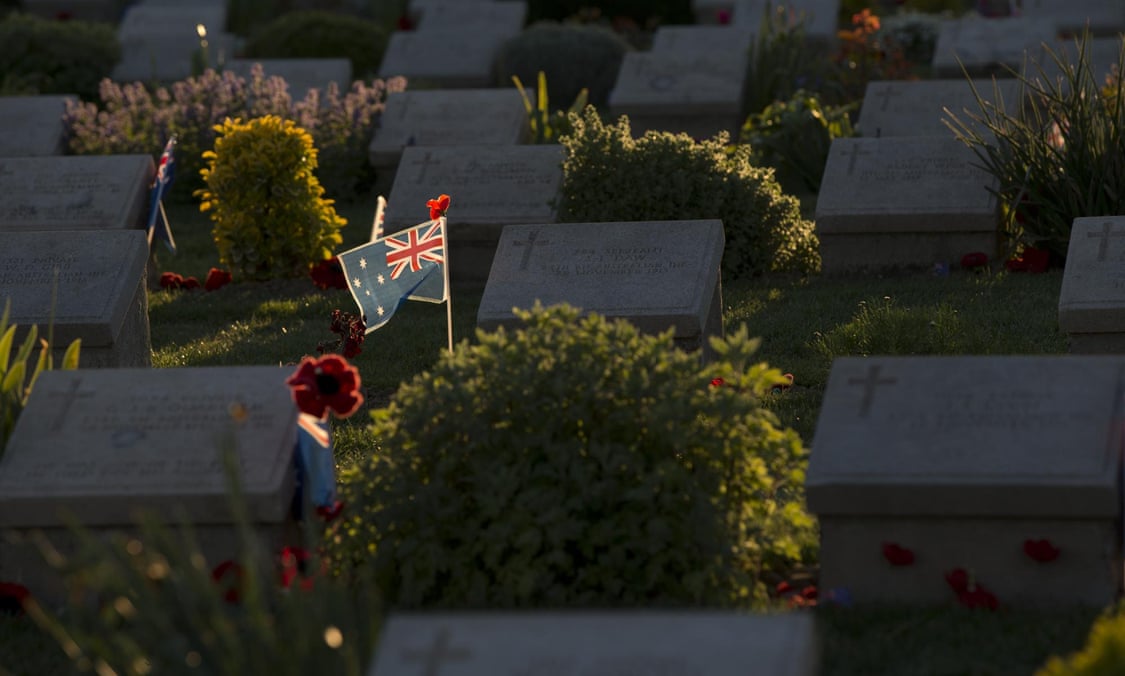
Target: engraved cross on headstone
{"x":427,"y":160}
{"x":440,"y":651}
{"x":68,"y":398}
{"x":1105,"y":234}
{"x":853,"y":154}
{"x":869,"y":384}
{"x":887,"y":93}
{"x":532,"y":240}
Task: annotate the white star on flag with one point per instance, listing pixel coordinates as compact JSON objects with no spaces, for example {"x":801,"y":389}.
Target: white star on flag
{"x":358,"y":283}
{"x":367,"y":292}
{"x":379,"y":310}
{"x":381,"y":279}
{"x":363,"y":263}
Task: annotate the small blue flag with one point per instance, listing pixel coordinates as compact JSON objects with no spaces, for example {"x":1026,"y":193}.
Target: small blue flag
{"x":158,"y":224}
{"x":316,"y":466}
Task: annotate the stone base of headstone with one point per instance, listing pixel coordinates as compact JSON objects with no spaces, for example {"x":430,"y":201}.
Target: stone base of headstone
{"x":1087,"y":570}
{"x":1096,"y":343}
{"x":862,"y":252}
{"x":132,"y":347}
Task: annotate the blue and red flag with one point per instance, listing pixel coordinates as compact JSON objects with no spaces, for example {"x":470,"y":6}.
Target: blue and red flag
{"x":316,"y":466}
{"x":158,"y":224}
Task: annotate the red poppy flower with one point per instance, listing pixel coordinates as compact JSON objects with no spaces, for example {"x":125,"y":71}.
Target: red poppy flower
{"x":1040,"y":550}
{"x":329,"y":274}
{"x":958,"y":580}
{"x":1033,"y":260}
{"x":438,"y":207}
{"x":977,"y":259}
{"x":897,"y":555}
{"x":216,"y":279}
{"x":228,"y":570}
{"x":329,"y":382}
{"x":978,"y":597}
{"x":191,"y":283}
{"x":171,"y":280}
{"x":12,"y":598}
{"x":329,"y":514}
{"x":718,"y":382}
{"x":783,"y":587}
{"x":809,"y":592}
{"x":294,"y":565}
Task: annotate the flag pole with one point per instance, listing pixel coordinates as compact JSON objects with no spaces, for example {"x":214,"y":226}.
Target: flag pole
{"x":448,"y":290}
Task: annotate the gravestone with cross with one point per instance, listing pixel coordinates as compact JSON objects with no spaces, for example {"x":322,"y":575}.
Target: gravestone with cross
{"x":489,"y":187}
{"x":447,"y":117}
{"x":1092,"y":297}
{"x":970,"y":463}
{"x":32,"y":126}
{"x":903,"y":202}
{"x":104,"y":446}
{"x":918,"y":108}
{"x":985,"y":47}
{"x":649,"y":642}
{"x":695,"y":92}
{"x":446,"y":57}
{"x":658,"y":275}
{"x":90,"y":284}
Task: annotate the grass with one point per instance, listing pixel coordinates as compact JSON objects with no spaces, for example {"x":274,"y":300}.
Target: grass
{"x":803,"y":326}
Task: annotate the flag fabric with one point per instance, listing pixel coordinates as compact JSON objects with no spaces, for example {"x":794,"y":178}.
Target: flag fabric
{"x":157,"y":219}
{"x":406,"y":265}
{"x":316,"y":467}
{"x":380,"y":215}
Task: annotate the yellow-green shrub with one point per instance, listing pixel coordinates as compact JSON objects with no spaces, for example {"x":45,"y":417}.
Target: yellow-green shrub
{"x":1103,"y":654}
{"x":265,"y":201}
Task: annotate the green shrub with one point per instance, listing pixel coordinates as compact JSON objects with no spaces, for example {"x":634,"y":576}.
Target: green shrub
{"x":573,"y":57}
{"x":267,"y":206}
{"x":55,"y":57}
{"x":610,"y":176}
{"x":1103,"y":654}
{"x":315,"y":34}
{"x":644,"y":486}
{"x":545,"y":126}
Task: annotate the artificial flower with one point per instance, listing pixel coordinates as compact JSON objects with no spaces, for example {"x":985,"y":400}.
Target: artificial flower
{"x":718,"y":382}
{"x":978,"y":597}
{"x":1033,"y":260}
{"x":1040,"y":550}
{"x":326,"y":383}
{"x":232,"y":589}
{"x":977,"y":259}
{"x":329,"y":274}
{"x":897,"y":555}
{"x":958,"y":580}
{"x":294,"y":565}
{"x":191,"y":283}
{"x":171,"y":280}
{"x":216,"y":279}
{"x":438,"y":207}
{"x":12,"y":598}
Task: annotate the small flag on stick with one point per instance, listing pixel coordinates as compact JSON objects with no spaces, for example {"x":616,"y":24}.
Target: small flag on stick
{"x":158,"y":224}
{"x":380,"y":215}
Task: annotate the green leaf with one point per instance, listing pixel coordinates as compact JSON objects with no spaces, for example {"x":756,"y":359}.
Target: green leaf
{"x":6,"y":347}
{"x":14,"y":380}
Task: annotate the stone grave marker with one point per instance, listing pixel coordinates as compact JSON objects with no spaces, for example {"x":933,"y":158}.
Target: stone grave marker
{"x":562,"y":643}
{"x":505,"y":16}
{"x":100,"y":295}
{"x":300,"y":74}
{"x":32,"y":126}
{"x":490,"y":187}
{"x":902,"y":202}
{"x":986,"y":46}
{"x":1092,"y":297}
{"x":445,"y":57}
{"x":1101,"y":55}
{"x":917,"y":108}
{"x":159,"y":41}
{"x":818,"y":16}
{"x":712,"y":12}
{"x":698,"y":93}
{"x":658,"y":275}
{"x":970,"y":463}
{"x":447,"y":117}
{"x":104,"y":446}
{"x":74,"y":192}
{"x":730,"y":41}
{"x":1074,"y":16}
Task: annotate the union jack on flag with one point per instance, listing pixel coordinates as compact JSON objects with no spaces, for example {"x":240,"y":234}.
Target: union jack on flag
{"x":407,"y":265}
{"x":158,"y":224}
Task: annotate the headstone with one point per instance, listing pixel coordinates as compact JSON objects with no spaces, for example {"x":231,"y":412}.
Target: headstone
{"x":658,"y":275}
{"x":98,"y":295}
{"x":32,"y":126}
{"x":490,"y":187}
{"x":74,"y":192}
{"x":300,"y":74}
{"x":713,"y":12}
{"x":818,"y":17}
{"x":444,"y":57}
{"x":102,"y":447}
{"x":1101,"y":58}
{"x":77,"y":10}
{"x":903,"y":202}
{"x":963,"y":462}
{"x":158,"y":42}
{"x":1092,"y":298}
{"x":447,"y":117}
{"x":918,"y":108}
{"x":459,"y":14}
{"x":698,"y":93}
{"x":989,"y":46}
{"x":604,"y":643}
{"x":731,"y":41}
{"x":1075,"y":16}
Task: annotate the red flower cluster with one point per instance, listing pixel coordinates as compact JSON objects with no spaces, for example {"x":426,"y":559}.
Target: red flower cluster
{"x":329,"y":382}
{"x":1033,"y":260}
{"x":1041,"y":550}
{"x":438,"y":207}
{"x":329,"y":274}
{"x":969,"y":593}
{"x":897,"y":555}
{"x":350,"y":330}
{"x":216,"y":279}
{"x":805,"y":598}
{"x":228,"y":575}
{"x":294,"y":568}
{"x":13,"y":596}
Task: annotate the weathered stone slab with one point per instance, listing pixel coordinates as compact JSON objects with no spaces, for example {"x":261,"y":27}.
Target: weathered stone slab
{"x":989,"y":46}
{"x":818,"y":16}
{"x":100,"y":297}
{"x":1075,"y":16}
{"x":158,"y":42}
{"x":712,"y":12}
{"x":78,"y":192}
{"x":79,"y":10}
{"x":444,"y":57}
{"x":901,"y":202}
{"x":1101,"y":54}
{"x":730,"y":41}
{"x":658,"y":275}
{"x":961,"y":461}
{"x":103,"y":447}
{"x":1092,"y":298}
{"x":696,"y":93}
{"x":917,"y":108}
{"x":32,"y":126}
{"x":653,"y":643}
{"x":447,"y":117}
{"x":490,"y":186}
{"x":300,"y":74}
{"x":462,"y":15}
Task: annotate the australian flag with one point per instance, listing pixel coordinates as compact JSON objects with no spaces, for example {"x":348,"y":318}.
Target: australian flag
{"x":158,"y":220}
{"x":406,"y":265}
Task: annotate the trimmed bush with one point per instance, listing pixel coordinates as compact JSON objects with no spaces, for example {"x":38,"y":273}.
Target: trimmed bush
{"x":573,"y":57}
{"x":55,"y":57}
{"x":610,"y":176}
{"x":1103,"y":654}
{"x":267,"y":206}
{"x":645,"y":485}
{"x":322,"y":35}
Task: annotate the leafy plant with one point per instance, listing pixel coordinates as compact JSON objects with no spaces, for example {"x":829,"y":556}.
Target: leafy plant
{"x":1060,"y":156}
{"x":610,"y":176}
{"x":1103,"y":654}
{"x":270,"y":219}
{"x":781,"y":62}
{"x":55,"y":57}
{"x":313,"y":34}
{"x":546,"y":126}
{"x":646,"y":486}
{"x":867,"y":53}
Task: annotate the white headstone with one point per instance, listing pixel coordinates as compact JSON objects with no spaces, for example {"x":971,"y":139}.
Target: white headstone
{"x":1101,"y":57}
{"x":1092,"y":298}
{"x":918,"y":108}
{"x":1074,"y":16}
{"x":984,"y":46}
{"x":32,"y":126}
{"x":300,"y":74}
{"x":463,"y":15}
{"x":730,"y":41}
{"x":444,"y":57}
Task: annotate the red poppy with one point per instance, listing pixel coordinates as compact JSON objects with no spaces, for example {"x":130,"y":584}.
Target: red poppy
{"x":977,"y":259}
{"x":329,"y":274}
{"x":228,"y":570}
{"x":216,"y":279}
{"x":1040,"y":550}
{"x":809,"y":593}
{"x":328,"y":382}
{"x":718,"y":382}
{"x":12,"y":598}
{"x":329,"y":514}
{"x":1033,"y":260}
{"x":191,"y":283}
{"x":294,"y":565}
{"x":978,"y":597}
{"x":438,"y":207}
{"x":897,"y":555}
{"x":171,"y":280}
{"x":958,"y":580}
{"x":783,"y":587}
